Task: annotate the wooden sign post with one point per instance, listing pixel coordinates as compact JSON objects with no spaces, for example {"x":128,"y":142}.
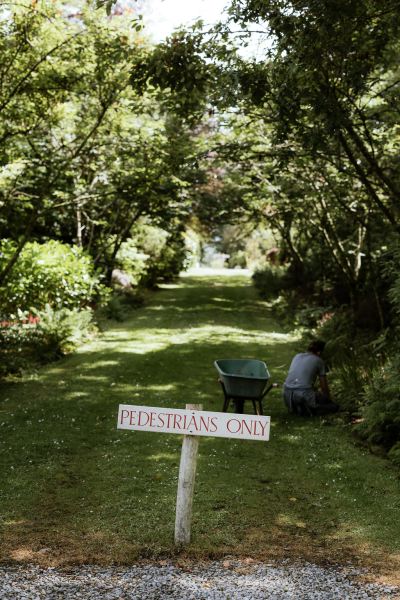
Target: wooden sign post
{"x":192,"y":423}
{"x":187,"y":474}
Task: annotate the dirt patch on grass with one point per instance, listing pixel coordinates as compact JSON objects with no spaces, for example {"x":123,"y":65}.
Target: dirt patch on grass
{"x":96,"y":548}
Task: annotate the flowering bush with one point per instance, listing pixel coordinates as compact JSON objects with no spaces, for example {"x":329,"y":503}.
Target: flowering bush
{"x":47,"y":335}
{"x":26,"y":320}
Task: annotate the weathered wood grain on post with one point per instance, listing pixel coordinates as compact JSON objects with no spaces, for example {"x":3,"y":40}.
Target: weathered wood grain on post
{"x":187,"y":474}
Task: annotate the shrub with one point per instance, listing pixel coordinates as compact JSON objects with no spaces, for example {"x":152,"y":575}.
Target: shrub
{"x":352,"y":354}
{"x":270,"y":281}
{"x":337,"y":328}
{"x":62,"y":331}
{"x":311,"y":316}
{"x":237,"y":259}
{"x":50,"y":335}
{"x":115,"y":309}
{"x":132,"y":260}
{"x":18,"y":341}
{"x":52,"y":273}
{"x":381,"y":410}
{"x":348,"y":381}
{"x":120,"y":304}
{"x":153,"y":255}
{"x":167,"y":265}
{"x":394,"y":454}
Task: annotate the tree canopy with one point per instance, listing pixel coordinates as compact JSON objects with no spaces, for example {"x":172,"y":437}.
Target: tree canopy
{"x":99,"y":129}
{"x":113,"y":150}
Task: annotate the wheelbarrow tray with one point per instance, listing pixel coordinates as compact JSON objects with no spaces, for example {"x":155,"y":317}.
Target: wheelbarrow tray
{"x":243,"y":378}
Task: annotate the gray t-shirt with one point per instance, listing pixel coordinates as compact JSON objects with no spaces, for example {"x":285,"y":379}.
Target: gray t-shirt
{"x":303,"y":371}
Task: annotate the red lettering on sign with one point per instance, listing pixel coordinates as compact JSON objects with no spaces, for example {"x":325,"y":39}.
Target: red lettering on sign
{"x":263,"y":428}
{"x":192,"y":423}
{"x":152,"y":417}
{"x":132,"y":417}
{"x":124,"y":415}
{"x":228,"y":425}
{"x":145,"y":417}
{"x":213,"y":424}
{"x":205,"y":424}
{"x":245,"y":425}
{"x":161,"y":420}
{"x":177,"y":418}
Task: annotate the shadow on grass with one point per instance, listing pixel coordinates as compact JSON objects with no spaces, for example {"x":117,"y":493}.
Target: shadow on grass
{"x":74,"y":484}
{"x":194,"y":303}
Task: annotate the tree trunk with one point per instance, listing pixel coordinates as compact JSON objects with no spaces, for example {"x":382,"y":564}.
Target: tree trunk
{"x":368,"y":185}
{"x":25,"y":238}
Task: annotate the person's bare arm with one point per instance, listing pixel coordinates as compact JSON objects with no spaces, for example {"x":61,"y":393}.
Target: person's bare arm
{"x":324,"y":386}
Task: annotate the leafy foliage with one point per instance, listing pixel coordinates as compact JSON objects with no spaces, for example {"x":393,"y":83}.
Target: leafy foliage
{"x":83,"y":158}
{"x":101,"y":133}
{"x":351,"y":354}
{"x":18,"y":341}
{"x":43,"y":336}
{"x":270,"y":281}
{"x":152,"y":254}
{"x":52,"y":273}
{"x":381,"y":411}
{"x":60,"y":331}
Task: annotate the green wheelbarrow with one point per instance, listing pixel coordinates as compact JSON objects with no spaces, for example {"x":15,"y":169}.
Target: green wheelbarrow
{"x":243,"y":379}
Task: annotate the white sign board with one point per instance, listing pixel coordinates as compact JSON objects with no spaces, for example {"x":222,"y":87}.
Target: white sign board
{"x":193,"y":422}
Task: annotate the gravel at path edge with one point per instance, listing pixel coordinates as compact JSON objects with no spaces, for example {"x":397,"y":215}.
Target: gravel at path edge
{"x":222,"y":580}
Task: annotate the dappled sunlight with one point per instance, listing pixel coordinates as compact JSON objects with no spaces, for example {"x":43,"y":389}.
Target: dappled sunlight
{"x":296,"y":491}
{"x":215,"y":272}
{"x":334,"y":466}
{"x":170,"y":456}
{"x":169,"y":286}
{"x":17,"y":522}
{"x":344,"y":529}
{"x":290,"y":438}
{"x":168,"y":387}
{"x":354,"y":532}
{"x":22,"y":554}
{"x":284,"y":520}
{"x":215,"y":310}
{"x":142,"y":343}
{"x":223,"y":278}
{"x":78,"y":395}
{"x":223,"y":300}
{"x":99,"y":364}
{"x":98,"y":378}
{"x":146,"y":347}
{"x":275,"y":336}
{"x":214,"y":333}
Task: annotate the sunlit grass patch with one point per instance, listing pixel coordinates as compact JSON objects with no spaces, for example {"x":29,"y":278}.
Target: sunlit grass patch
{"x":75,"y":485}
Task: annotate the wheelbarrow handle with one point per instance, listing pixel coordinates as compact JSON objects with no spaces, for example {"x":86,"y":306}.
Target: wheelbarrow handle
{"x":269,"y":388}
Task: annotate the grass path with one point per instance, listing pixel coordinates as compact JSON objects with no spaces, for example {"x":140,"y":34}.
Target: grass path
{"x":74,"y":489}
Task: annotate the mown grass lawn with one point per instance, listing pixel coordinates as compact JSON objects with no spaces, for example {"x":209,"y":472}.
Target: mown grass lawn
{"x":76,"y":489}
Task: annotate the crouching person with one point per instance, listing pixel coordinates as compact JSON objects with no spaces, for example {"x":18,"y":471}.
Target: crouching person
{"x":299,"y":394}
